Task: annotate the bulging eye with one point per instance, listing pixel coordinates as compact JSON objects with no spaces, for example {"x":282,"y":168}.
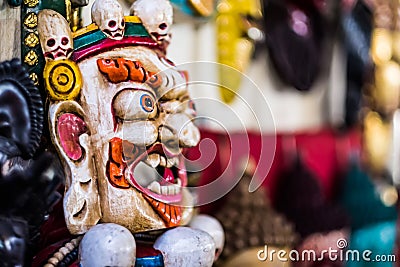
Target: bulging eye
{"x":147,"y":103}
{"x":135,"y":104}
{"x":51,"y":42}
{"x":112,"y":23}
{"x":64,"y":41}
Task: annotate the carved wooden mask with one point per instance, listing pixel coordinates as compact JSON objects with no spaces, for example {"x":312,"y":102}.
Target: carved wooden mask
{"x":120,"y":115}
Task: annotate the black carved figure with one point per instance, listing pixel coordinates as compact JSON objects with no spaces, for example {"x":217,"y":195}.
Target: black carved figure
{"x":21,"y":112}
{"x":13,"y":241}
{"x":28,"y":180}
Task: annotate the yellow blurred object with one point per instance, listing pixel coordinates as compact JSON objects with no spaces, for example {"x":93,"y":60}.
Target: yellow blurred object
{"x":381,"y":45}
{"x":387,"y":86}
{"x":233,"y":48}
{"x":379,"y":134}
{"x":396,"y":45}
{"x":389,"y":196}
{"x":377,"y":142}
{"x":249,"y":258}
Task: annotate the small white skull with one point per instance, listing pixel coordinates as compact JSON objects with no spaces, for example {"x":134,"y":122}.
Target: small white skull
{"x":184,"y":246}
{"x":213,"y":227}
{"x":55,"y":35}
{"x":109,"y":16}
{"x":107,"y":244}
{"x":156,"y":17}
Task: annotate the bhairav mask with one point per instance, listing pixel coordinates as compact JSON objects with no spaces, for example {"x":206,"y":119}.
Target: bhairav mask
{"x":120,"y":115}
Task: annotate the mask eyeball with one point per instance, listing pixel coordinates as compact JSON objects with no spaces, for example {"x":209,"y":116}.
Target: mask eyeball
{"x":147,"y":103}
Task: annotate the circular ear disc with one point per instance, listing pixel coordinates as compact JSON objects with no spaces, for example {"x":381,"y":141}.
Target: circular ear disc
{"x":63,"y":79}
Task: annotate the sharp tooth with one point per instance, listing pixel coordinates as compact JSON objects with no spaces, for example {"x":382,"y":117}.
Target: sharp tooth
{"x":155,"y":187}
{"x":164,"y":190}
{"x":171,"y":190}
{"x":179,"y":183}
{"x":153,"y":160}
{"x":170,"y":163}
{"x":163,"y":161}
{"x":173,"y":162}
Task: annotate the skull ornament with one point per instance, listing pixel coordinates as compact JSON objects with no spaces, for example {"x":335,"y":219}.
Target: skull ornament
{"x":108,"y":15}
{"x":55,"y":36}
{"x":156,"y":16}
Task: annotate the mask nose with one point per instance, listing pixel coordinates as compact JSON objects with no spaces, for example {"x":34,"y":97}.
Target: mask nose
{"x":169,"y":138}
{"x":179,"y":130}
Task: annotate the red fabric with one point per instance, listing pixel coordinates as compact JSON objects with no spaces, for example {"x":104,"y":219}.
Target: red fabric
{"x":324,"y":152}
{"x":54,"y":229}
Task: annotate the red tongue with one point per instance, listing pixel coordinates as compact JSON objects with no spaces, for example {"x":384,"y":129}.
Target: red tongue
{"x":168,"y":175}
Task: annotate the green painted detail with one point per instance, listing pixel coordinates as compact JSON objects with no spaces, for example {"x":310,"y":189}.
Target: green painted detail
{"x":88,"y":39}
{"x":136,"y":29}
{"x":56,"y":5}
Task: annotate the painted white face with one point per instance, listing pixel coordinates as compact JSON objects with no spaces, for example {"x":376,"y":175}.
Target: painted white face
{"x":108,"y":15}
{"x":154,"y":119}
{"x":134,"y":116}
{"x":156,"y":17}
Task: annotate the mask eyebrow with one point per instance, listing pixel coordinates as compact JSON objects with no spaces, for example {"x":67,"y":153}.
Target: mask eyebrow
{"x":122,"y":70}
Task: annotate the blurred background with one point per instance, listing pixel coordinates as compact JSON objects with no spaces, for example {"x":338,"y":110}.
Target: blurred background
{"x":310,"y":114}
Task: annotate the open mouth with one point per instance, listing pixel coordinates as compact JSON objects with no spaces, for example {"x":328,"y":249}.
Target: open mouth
{"x":158,"y":173}
{"x":114,"y":34}
{"x":158,"y":36}
{"x":58,"y":53}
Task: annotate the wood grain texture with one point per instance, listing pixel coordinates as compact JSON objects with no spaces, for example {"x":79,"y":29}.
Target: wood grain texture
{"x":10,"y":31}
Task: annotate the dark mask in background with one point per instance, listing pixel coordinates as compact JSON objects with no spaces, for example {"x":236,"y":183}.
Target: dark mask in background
{"x":357,"y":28}
{"x":294,"y":34}
{"x":21,"y":112}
